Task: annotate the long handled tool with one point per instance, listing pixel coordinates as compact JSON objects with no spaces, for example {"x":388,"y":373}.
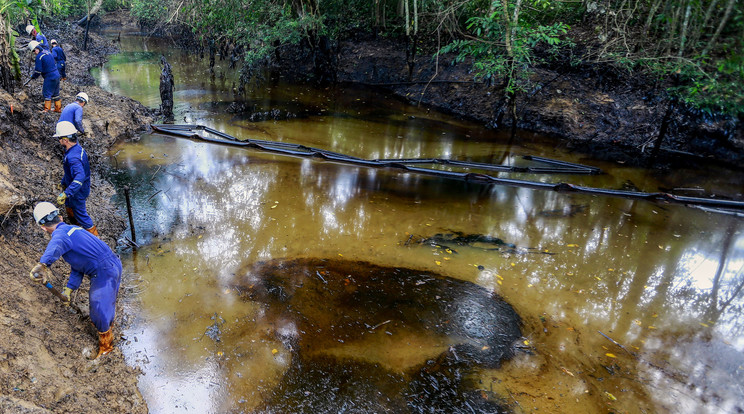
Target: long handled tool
{"x":61,"y":297}
{"x":29,"y":80}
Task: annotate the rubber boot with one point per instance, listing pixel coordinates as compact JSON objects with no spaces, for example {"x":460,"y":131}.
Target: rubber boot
{"x":105,"y":342}
{"x":57,"y":106}
{"x":93,"y":230}
{"x":47,"y":106}
{"x":71,"y":216}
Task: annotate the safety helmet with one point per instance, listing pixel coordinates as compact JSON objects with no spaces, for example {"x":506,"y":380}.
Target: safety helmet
{"x":53,"y":42}
{"x":45,"y":212}
{"x":33,"y":45}
{"x":82,"y":96}
{"x":65,"y":129}
{"x":30,"y":28}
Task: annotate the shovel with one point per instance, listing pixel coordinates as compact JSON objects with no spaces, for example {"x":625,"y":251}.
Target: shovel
{"x":26,"y":83}
{"x":59,"y":295}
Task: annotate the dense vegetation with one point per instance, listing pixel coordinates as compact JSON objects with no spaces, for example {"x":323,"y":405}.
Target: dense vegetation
{"x":693,"y":47}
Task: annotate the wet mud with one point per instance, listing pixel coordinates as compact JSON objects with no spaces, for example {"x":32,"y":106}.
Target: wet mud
{"x":324,"y":306}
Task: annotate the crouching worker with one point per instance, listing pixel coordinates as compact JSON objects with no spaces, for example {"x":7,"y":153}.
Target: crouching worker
{"x":87,"y":255}
{"x":76,"y":181}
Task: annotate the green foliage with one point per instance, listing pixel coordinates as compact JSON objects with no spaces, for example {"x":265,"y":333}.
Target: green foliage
{"x":719,"y":91}
{"x":149,"y":12}
{"x":489,"y":53}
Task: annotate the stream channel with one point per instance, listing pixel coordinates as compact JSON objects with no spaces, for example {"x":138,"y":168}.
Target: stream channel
{"x":271,"y":283}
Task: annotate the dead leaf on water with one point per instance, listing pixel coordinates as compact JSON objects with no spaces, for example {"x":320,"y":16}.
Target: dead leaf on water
{"x":704,"y":324}
{"x":274,"y":351}
{"x":610,"y":355}
{"x":438,"y":262}
{"x":567,"y":371}
{"x":572,"y":245}
{"x":610,"y":396}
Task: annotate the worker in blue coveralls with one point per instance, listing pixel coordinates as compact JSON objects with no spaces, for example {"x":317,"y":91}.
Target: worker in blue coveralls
{"x":73,"y":112}
{"x":87,"y":255}
{"x":76,"y":181}
{"x":47,"y":67}
{"x":31,"y":30}
{"x":59,"y":56}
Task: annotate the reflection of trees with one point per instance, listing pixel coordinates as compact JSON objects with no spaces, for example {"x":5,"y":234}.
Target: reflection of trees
{"x":722,"y":294}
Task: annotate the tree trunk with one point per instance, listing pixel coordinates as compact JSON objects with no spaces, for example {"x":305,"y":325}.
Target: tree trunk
{"x":662,"y":131}
{"x":683,"y":31}
{"x":166,"y":89}
{"x":6,"y":67}
{"x":724,"y":20}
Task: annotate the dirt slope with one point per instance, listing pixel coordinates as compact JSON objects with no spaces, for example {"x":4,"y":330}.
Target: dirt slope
{"x":42,"y":368}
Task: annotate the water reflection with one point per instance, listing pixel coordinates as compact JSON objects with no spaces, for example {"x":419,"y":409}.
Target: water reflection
{"x":663,"y":281}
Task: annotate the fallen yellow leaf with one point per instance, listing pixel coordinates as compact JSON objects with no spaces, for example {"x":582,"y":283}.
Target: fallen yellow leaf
{"x":274,"y":351}
{"x":704,"y":324}
{"x":610,"y":355}
{"x":610,"y":396}
{"x":526,"y":342}
{"x":572,"y":245}
{"x":438,"y":262}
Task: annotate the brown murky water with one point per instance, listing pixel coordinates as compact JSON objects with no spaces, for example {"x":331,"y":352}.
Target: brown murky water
{"x":627,"y":306}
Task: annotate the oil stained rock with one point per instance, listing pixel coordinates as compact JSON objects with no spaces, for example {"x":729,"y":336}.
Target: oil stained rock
{"x":343,"y":311}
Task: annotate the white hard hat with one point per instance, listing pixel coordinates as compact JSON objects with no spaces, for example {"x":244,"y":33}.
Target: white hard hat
{"x":30,"y":28}
{"x":33,"y":45}
{"x":53,"y":41}
{"x":45,"y":212}
{"x":82,"y":96}
{"x":65,"y":129}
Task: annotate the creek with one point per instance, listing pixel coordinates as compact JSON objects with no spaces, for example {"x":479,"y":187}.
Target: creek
{"x":626,"y":306}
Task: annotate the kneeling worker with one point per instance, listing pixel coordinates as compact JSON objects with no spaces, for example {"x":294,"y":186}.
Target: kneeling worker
{"x":86,"y":255}
{"x":76,"y":180}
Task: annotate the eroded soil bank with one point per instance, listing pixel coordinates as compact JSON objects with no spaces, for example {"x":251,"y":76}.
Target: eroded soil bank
{"x":612,"y":115}
{"x":41,"y":342}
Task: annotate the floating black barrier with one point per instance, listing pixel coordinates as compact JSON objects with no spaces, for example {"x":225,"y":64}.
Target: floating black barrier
{"x":409,"y":164}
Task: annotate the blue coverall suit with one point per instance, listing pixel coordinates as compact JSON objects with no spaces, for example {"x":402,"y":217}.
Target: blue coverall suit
{"x":42,"y":40}
{"x":59,"y":56}
{"x":73,"y":113}
{"x":88,"y":255}
{"x":47,"y":67}
{"x":76,"y":182}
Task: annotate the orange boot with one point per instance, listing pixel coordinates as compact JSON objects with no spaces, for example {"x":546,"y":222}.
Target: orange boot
{"x":71,"y":216}
{"x":58,"y":106}
{"x":93,"y":230}
{"x":47,"y":106}
{"x":105,"y":342}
